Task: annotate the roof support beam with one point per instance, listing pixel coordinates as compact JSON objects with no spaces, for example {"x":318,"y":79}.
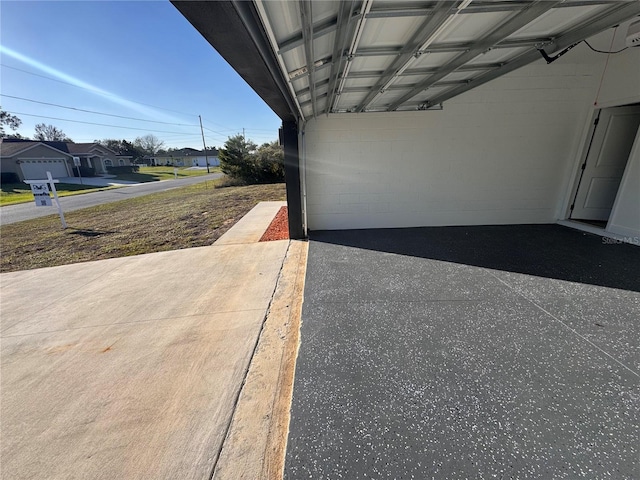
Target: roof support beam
{"x":452,"y":47}
{"x":329,"y":25}
{"x":353,"y":47}
{"x":236,"y":32}
{"x":296,"y":40}
{"x":430,"y":28}
{"x":607,"y":19}
{"x":508,"y":27}
{"x":345,"y":13}
{"x":306,"y":19}
{"x":427,"y":70}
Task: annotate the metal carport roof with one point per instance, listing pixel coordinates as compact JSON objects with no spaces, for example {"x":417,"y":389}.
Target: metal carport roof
{"x":308,"y":58}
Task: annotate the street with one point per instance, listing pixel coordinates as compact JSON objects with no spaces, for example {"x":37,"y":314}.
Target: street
{"x":27,"y":211}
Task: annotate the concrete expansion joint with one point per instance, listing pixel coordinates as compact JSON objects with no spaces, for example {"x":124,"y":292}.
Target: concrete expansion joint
{"x":246,"y":373}
{"x":255,"y":441}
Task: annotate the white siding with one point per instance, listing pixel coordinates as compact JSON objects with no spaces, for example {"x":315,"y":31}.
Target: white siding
{"x":502,"y":153}
{"x":625,"y":218}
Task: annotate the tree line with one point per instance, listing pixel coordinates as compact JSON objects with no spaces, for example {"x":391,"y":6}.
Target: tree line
{"x":240,"y":157}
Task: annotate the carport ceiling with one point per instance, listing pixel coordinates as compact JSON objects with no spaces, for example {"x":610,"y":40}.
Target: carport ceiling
{"x":381,"y":55}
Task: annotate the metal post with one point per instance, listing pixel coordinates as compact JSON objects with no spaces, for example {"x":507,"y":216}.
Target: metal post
{"x":55,"y":196}
{"x":206,"y":157}
{"x":292,"y":177}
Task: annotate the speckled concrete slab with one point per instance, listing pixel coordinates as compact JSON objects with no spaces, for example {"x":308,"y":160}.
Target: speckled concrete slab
{"x":427,"y":354}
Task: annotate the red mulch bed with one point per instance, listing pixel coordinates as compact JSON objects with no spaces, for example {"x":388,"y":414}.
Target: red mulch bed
{"x":279,"y":227}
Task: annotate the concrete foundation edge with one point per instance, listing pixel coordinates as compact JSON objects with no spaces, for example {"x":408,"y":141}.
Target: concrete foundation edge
{"x":256,"y":442}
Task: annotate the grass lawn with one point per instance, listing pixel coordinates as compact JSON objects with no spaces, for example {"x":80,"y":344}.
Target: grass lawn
{"x":155,"y":174}
{"x":181,"y":218}
{"x":11,"y":193}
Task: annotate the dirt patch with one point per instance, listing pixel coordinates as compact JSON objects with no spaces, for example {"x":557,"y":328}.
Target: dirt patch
{"x":278,"y":228}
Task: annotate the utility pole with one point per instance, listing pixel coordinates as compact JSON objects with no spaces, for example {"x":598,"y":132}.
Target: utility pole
{"x":243,"y":137}
{"x":206,"y":156}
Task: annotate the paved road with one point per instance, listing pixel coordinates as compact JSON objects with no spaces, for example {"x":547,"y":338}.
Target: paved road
{"x":27,"y":211}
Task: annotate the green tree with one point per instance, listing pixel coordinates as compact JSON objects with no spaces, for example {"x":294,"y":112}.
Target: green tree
{"x":49,"y":133}
{"x":123,"y":147}
{"x":269,"y":163}
{"x":236,"y":158}
{"x":10,"y":121}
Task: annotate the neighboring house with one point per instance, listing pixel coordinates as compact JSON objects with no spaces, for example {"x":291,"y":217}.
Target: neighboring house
{"x":186,"y":157}
{"x":31,"y":160}
{"x":453,"y":117}
{"x":97,"y":156}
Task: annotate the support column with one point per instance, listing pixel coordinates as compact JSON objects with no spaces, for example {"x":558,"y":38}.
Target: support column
{"x":292,"y":178}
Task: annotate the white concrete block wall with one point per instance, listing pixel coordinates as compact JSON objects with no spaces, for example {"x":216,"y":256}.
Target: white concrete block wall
{"x":494,"y":155}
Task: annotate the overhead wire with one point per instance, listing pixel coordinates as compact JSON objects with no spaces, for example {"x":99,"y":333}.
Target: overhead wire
{"x":90,"y":123}
{"x":93,"y":90}
{"x":97,"y":113}
{"x":218,"y":132}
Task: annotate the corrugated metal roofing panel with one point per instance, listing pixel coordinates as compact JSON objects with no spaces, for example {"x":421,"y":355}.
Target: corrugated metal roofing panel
{"x":389,"y":32}
{"x":368,"y":54}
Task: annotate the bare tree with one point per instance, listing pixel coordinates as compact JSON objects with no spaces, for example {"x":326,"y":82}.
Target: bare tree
{"x":149,"y":143}
{"x":49,"y":133}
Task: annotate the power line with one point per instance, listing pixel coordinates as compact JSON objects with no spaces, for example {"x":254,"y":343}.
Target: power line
{"x":92,"y":123}
{"x":94,"y":90}
{"x":97,"y":113}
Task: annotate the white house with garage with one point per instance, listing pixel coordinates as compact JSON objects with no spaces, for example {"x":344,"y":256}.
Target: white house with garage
{"x":406,"y":114}
{"x":186,"y":157}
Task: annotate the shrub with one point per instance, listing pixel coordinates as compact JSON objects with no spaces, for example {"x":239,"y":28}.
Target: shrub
{"x":240,"y":159}
{"x":9,"y":177}
{"x":123,"y":169}
{"x":84,"y":171}
{"x":227,"y":181}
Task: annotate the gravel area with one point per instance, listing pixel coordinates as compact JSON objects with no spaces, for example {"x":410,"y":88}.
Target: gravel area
{"x":279,"y":227}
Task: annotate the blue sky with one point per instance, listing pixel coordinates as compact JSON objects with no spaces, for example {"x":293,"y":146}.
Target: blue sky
{"x":132,"y":59}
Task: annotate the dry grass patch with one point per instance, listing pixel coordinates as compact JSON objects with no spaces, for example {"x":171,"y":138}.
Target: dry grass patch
{"x":180,"y":218}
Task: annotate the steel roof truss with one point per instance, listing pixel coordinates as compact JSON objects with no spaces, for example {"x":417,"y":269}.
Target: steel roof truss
{"x":508,"y":27}
{"x":607,"y":19}
{"x":306,"y":19}
{"x":345,"y":14}
{"x":429,"y":27}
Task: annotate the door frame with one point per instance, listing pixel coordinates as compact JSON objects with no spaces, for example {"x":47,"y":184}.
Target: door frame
{"x":577,"y":171}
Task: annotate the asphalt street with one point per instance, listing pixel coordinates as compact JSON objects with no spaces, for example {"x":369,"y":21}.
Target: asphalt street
{"x":27,"y":211}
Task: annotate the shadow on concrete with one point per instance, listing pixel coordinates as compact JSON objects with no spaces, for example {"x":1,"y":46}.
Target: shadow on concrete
{"x":550,"y":251}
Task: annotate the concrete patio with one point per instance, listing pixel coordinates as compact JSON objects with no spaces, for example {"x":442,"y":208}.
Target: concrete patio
{"x":133,"y":367}
{"x":468,"y":352}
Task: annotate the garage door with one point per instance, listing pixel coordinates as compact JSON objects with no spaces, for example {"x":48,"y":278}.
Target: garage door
{"x":37,"y":169}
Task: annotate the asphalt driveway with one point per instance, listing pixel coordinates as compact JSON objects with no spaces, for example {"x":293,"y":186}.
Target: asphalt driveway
{"x":468,"y":352}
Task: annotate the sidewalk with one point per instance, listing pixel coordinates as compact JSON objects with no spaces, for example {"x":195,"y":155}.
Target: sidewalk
{"x":133,"y":367}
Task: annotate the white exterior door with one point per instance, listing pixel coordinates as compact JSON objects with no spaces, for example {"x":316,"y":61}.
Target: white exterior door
{"x":606,"y":160}
{"x":37,"y":169}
